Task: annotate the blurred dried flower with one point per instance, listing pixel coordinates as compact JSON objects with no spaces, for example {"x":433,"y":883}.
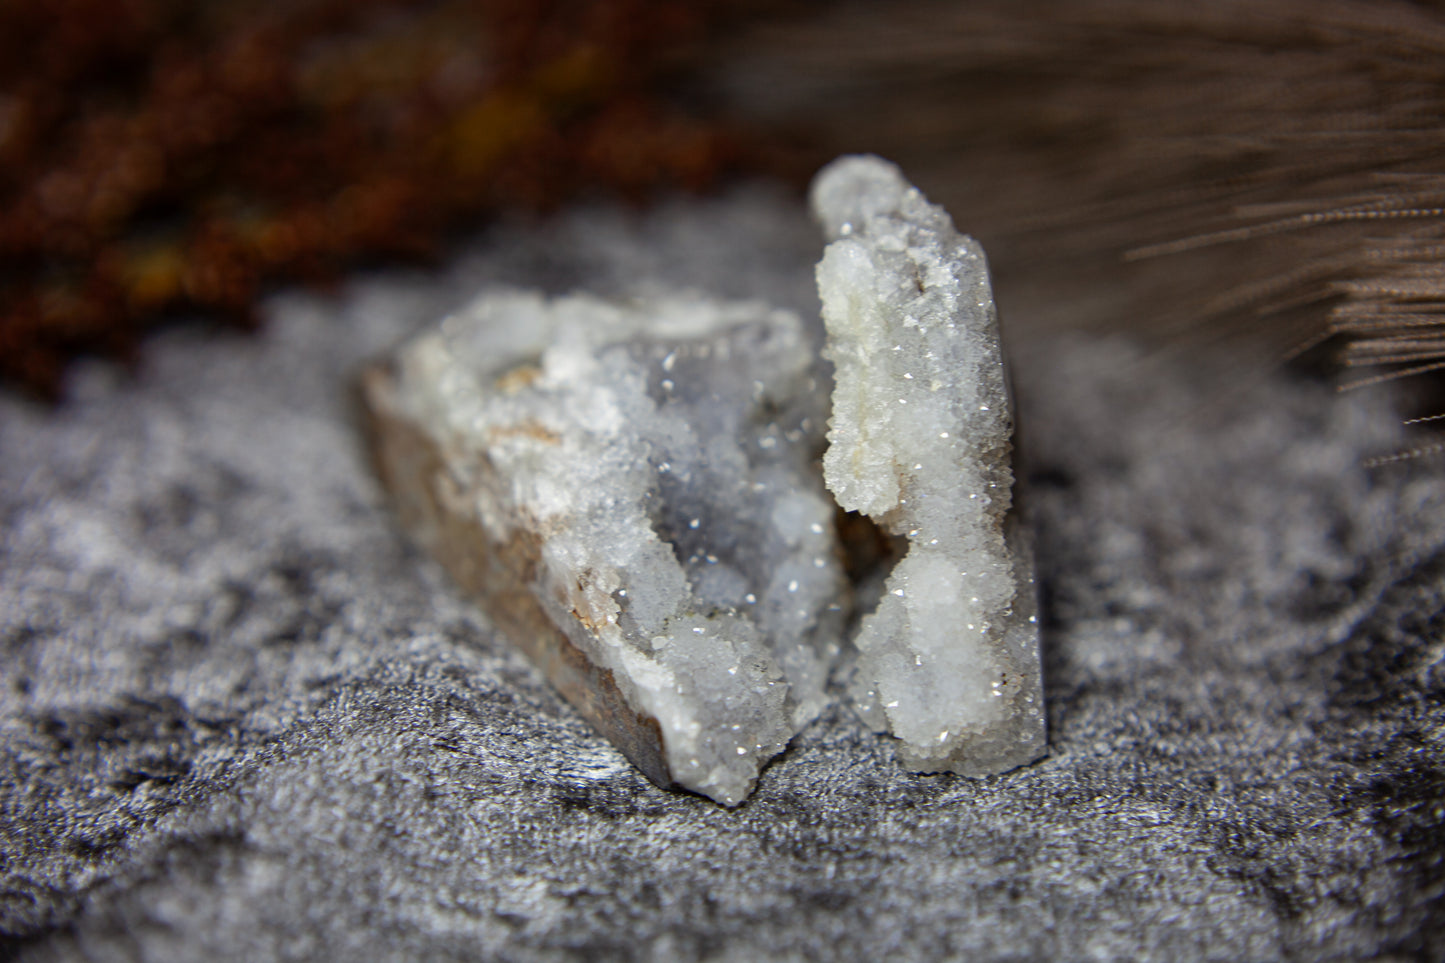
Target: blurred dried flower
{"x":160,"y":155}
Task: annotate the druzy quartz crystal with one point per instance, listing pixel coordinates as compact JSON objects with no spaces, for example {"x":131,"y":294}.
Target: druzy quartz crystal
{"x":632,"y":492}
{"x":635,"y":492}
{"x":920,"y":441}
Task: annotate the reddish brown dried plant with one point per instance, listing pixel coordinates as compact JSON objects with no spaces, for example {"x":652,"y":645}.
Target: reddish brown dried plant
{"x":164,"y":156}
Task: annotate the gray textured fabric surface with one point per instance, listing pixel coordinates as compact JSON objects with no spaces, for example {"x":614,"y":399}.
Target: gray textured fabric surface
{"x":244,"y":720}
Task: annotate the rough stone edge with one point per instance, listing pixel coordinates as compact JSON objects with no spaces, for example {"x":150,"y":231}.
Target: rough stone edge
{"x":500,"y":575}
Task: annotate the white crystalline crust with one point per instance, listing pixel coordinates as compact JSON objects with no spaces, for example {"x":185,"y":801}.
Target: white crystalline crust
{"x":666,"y":453}
{"x":919,"y":440}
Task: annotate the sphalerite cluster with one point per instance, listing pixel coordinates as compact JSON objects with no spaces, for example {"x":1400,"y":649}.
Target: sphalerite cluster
{"x":642,"y":496}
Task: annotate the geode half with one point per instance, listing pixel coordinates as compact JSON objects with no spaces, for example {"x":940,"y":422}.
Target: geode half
{"x":631,"y":491}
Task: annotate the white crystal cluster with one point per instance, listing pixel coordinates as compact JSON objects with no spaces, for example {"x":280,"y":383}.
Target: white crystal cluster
{"x":919,"y":440}
{"x":646,"y":476}
{"x":665,"y":454}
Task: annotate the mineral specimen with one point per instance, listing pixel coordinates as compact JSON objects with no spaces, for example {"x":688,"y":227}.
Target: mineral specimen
{"x":632,"y":492}
{"x":919,"y":440}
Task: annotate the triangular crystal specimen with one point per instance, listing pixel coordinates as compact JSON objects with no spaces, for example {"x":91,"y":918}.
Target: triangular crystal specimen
{"x":631,"y":491}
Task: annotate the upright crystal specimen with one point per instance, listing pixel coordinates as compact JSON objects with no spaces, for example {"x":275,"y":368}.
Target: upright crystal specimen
{"x":920,"y":441}
{"x":632,"y":492}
